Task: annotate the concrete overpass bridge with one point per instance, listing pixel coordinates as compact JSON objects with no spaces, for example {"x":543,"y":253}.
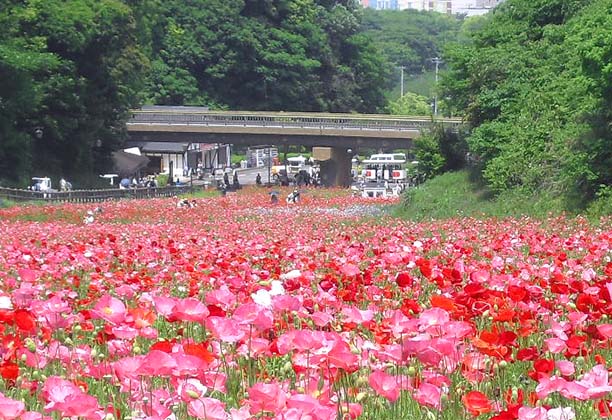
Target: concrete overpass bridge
{"x":330,"y":135}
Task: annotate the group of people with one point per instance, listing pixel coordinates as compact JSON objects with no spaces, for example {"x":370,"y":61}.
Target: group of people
{"x":89,"y":216}
{"x":65,"y":185}
{"x":302,"y":178}
{"x":186,"y":204}
{"x":147,"y":182}
{"x":225,"y":185}
{"x":293,"y":197}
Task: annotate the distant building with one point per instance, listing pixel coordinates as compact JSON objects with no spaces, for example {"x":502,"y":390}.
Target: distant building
{"x":466,"y":7}
{"x":261,"y":156}
{"x":385,"y":4}
{"x":182,"y":158}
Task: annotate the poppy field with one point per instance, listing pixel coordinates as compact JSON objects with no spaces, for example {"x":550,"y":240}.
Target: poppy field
{"x":327,"y":309}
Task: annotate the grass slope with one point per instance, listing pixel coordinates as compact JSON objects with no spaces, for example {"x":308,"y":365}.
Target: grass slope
{"x":457,"y":194}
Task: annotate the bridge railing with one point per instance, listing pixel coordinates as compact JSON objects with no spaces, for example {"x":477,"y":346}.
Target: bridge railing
{"x":90,"y":196}
{"x":326,"y":121}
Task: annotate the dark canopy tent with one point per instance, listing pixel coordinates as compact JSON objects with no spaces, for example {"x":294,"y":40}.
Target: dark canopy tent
{"x":128,"y":164}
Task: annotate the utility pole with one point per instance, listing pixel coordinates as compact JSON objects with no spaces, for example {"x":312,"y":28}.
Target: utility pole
{"x":402,"y":80}
{"x":437,"y":61}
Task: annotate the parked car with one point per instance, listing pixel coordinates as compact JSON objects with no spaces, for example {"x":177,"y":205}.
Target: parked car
{"x":41,"y":184}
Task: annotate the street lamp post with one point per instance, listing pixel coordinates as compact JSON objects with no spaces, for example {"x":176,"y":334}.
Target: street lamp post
{"x":437,"y":61}
{"x":269,"y":163}
{"x":401,"y":80}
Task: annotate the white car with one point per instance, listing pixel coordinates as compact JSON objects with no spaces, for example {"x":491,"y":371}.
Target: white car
{"x":41,"y":184}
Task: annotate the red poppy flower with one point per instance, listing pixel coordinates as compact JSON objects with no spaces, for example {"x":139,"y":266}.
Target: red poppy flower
{"x":25,"y":321}
{"x":199,"y":350}
{"x":476,"y":403}
{"x":9,"y":371}
{"x":404,"y":279}
{"x":164,"y":346}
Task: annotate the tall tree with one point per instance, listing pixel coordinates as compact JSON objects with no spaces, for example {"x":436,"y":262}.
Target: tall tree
{"x":534,"y":82}
{"x":80,"y":102}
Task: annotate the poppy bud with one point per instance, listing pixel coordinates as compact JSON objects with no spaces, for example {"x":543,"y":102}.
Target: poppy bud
{"x":287,"y":367}
{"x":30,"y":345}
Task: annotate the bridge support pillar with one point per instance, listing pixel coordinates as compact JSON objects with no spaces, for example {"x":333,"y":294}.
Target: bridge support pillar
{"x":335,"y":165}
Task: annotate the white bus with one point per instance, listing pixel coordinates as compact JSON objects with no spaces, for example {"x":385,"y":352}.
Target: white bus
{"x":390,"y":167}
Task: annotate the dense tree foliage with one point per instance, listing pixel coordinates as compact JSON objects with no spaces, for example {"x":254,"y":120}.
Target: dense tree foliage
{"x":302,"y":55}
{"x":410,"y":38}
{"x":71,"y":69}
{"x":409,"y":104}
{"x":535,"y":83}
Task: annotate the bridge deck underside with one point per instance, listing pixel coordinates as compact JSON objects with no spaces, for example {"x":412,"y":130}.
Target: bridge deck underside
{"x":248,"y":135}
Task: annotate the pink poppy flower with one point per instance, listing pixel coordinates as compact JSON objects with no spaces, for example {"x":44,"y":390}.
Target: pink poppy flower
{"x":561,"y":413}
{"x":350,"y":270}
{"x":536,"y":413}
{"x":207,"y":409}
{"x":32,"y":415}
{"x":68,"y":399}
{"x":596,"y":382}
{"x":385,"y":385}
{"x":190,"y":309}
{"x":340,"y":356}
{"x":187,"y":365}
{"x":566,"y":368}
{"x":157,"y":363}
{"x":605,"y":330}
{"x":555,"y":345}
{"x":222,"y":297}
{"x":243,"y":413}
{"x":429,"y":395}
{"x":109,"y":309}
{"x":356,"y":315}
{"x":433,"y":317}
{"x":299,"y":340}
{"x":10,"y":409}
{"x":225,"y":329}
{"x":310,"y":406}
{"x":127,"y":367}
{"x":254,"y":314}
{"x":191,"y":389}
{"x":266,"y":397}
{"x":164,"y":305}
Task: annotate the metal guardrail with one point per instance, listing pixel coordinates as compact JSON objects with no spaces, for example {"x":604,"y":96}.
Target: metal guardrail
{"x":286,"y":120}
{"x":90,"y":196}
